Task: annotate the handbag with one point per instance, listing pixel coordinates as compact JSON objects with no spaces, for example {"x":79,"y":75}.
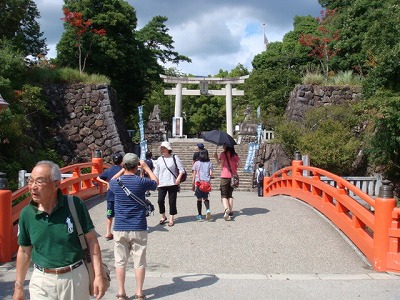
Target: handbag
{"x":145,"y":203}
{"x":86,"y":257}
{"x":235,"y":177}
{"x":203,"y":186}
{"x":184,"y":176}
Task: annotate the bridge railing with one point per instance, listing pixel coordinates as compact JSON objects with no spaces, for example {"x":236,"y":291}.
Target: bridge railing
{"x":82,"y":183}
{"x":375,"y":231}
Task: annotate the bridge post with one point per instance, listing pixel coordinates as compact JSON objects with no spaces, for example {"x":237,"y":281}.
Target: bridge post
{"x":98,"y":168}
{"x":296,"y":170}
{"x":384,"y":206}
{"x":5,"y":220}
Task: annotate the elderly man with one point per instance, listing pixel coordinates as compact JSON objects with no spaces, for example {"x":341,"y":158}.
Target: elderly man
{"x":48,"y":236}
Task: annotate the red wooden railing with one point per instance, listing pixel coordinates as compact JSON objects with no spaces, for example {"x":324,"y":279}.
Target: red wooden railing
{"x":80,"y":184}
{"x":375,"y":231}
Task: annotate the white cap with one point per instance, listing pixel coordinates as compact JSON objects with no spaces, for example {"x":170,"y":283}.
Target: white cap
{"x":166,"y":145}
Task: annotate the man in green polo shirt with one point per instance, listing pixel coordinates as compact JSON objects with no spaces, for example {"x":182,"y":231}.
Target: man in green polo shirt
{"x":48,"y":237}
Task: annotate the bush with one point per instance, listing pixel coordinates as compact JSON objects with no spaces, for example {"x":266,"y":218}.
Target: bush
{"x":340,"y":79}
{"x":313,"y":78}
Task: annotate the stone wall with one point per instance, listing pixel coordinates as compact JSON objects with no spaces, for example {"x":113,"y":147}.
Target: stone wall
{"x":87,"y":119}
{"x":304,"y":97}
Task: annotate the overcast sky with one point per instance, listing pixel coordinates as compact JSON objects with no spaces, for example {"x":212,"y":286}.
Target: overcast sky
{"x":215,"y":34}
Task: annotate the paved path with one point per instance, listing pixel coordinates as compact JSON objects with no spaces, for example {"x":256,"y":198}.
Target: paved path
{"x":275,"y":248}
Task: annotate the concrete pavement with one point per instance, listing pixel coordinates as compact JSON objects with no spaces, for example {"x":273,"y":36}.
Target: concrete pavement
{"x":275,"y":248}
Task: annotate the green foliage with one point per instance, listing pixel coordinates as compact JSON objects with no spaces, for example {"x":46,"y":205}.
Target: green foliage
{"x":65,"y":75}
{"x":314,"y":78}
{"x":18,"y":24}
{"x":288,"y":134}
{"x":384,"y":134}
{"x":327,"y":134}
{"x":12,"y":66}
{"x":346,"y":78}
{"x":127,"y":56}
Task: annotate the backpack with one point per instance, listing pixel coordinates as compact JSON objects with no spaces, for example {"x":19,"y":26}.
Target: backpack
{"x":260,"y":178}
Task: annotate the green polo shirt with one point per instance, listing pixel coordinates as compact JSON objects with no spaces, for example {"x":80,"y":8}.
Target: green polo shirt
{"x":53,"y":237}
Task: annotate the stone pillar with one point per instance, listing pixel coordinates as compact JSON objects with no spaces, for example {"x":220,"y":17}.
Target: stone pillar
{"x":178,"y":100}
{"x":229,"y":122}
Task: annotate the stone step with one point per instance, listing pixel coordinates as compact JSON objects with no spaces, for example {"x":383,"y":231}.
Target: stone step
{"x":185,"y":148}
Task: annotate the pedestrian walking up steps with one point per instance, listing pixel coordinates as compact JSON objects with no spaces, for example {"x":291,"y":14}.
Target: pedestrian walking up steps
{"x":185,"y":149}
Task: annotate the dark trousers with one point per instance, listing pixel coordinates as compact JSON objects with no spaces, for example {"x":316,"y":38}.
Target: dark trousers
{"x":172,"y":194}
{"x":260,"y":189}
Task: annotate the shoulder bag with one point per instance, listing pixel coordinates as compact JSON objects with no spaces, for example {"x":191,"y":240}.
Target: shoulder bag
{"x":86,"y":252}
{"x":145,"y":203}
{"x":235,"y":177}
{"x":204,"y":186}
{"x":184,"y":176}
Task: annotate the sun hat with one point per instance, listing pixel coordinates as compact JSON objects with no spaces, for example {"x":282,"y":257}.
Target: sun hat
{"x":131,"y":159}
{"x":166,"y":145}
{"x":200,"y":146}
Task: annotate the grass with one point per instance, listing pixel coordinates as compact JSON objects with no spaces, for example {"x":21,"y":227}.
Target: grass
{"x":66,"y":75}
{"x":342,"y":78}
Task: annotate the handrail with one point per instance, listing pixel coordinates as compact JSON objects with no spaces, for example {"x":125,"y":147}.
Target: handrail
{"x":375,"y":231}
{"x":83,"y":185}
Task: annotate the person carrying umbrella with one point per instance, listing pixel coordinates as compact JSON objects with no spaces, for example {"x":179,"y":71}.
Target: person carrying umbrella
{"x":229,"y":162}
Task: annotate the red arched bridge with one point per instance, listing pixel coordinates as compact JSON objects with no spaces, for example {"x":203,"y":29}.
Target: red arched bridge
{"x":374,"y":228}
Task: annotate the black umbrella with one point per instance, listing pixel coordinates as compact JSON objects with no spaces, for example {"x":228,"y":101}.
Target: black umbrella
{"x":219,"y":138}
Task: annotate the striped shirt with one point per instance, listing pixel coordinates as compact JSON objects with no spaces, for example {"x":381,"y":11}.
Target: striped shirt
{"x":129,"y":214}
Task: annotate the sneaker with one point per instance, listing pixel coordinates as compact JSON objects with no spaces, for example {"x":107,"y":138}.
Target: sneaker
{"x":199,"y":218}
{"x":208,"y":215}
{"x":226,"y":214}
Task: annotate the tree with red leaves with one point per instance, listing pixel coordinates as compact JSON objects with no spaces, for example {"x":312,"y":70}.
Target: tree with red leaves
{"x":321,"y":44}
{"x":82,"y":29}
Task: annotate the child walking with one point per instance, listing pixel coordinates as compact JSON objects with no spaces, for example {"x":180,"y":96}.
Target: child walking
{"x":202,"y":171}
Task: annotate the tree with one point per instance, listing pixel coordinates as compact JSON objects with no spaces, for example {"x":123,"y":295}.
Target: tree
{"x":83,"y":29}
{"x":383,"y":138}
{"x":321,"y":44}
{"x":18,"y":24}
{"x":126,"y":56}
{"x":154,"y":35}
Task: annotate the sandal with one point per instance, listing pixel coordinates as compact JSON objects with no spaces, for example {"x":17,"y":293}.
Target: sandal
{"x":170,"y":224}
{"x":123,"y":296}
{"x":143,"y":297}
{"x":162,"y":221}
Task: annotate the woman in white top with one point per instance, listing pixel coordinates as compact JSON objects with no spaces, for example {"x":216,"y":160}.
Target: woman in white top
{"x":169,"y":173}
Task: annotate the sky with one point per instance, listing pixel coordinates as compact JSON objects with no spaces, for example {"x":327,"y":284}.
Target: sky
{"x":214,"y":34}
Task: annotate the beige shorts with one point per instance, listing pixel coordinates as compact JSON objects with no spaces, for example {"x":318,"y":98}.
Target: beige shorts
{"x":130,"y":243}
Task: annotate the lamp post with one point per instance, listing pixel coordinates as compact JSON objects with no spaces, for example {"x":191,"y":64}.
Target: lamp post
{"x":3,"y":103}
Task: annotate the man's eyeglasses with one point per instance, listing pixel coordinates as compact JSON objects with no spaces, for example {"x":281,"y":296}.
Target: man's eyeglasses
{"x":38,"y":181}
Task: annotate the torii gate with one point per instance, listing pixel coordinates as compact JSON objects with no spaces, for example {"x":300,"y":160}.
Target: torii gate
{"x":228,"y":92}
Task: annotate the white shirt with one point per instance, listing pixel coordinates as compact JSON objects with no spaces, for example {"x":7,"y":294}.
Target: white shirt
{"x":165,"y":177}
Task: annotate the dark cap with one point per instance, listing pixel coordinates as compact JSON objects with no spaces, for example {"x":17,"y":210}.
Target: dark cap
{"x":200,"y":146}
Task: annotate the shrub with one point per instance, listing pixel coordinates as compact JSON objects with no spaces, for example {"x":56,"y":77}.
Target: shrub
{"x":313,"y":78}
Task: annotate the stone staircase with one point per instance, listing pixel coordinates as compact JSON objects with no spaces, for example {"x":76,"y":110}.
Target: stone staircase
{"x":185,"y":148}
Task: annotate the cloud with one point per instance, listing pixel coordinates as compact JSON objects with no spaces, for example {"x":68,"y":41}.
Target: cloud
{"x":214,"y":34}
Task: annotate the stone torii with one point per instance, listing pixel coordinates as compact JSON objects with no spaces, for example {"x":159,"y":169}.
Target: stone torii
{"x":228,"y":92}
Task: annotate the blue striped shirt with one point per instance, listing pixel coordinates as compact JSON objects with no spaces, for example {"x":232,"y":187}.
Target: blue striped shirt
{"x":129,"y":214}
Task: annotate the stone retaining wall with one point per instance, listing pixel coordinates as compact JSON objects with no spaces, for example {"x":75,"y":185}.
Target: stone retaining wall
{"x":304,"y":97}
{"x":87,"y":119}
